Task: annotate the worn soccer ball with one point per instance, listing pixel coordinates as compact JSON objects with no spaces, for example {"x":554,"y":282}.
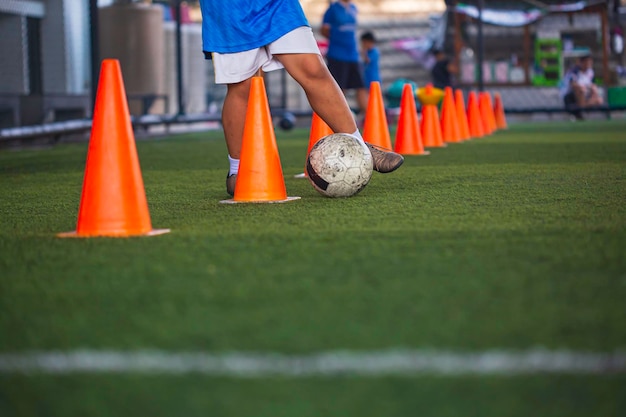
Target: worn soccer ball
{"x":339,"y":165}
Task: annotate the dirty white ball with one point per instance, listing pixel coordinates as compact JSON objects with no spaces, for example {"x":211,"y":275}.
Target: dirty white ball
{"x":339,"y":165}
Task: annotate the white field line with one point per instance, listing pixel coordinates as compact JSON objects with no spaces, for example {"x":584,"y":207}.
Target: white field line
{"x":330,"y":363}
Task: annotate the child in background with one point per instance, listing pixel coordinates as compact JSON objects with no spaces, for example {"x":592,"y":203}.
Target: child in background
{"x":339,"y":26}
{"x":443,"y":70}
{"x":577,"y":88}
{"x":371,"y":57}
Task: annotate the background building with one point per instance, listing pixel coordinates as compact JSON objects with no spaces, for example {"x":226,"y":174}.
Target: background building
{"x":46,"y":73}
{"x":49,"y":77}
{"x":380,"y":9}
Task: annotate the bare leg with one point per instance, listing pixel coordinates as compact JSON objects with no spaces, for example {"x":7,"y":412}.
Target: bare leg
{"x":579,"y":93}
{"x":234,"y":116}
{"x":330,"y":104}
{"x":322,"y":91}
{"x":595,"y":99}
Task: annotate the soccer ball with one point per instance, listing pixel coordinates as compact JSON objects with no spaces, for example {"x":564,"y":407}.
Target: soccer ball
{"x":339,"y":165}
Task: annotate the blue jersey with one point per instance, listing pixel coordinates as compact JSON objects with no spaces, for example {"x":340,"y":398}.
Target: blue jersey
{"x":230,"y":26}
{"x":371,"y":72}
{"x":342,"y":44}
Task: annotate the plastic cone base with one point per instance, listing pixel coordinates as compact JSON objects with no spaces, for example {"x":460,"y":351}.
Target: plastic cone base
{"x":74,"y":234}
{"x":233,"y":201}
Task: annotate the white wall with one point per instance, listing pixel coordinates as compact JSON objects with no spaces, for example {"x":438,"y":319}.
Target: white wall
{"x":13,"y":67}
{"x":194,"y":68}
{"x":65,"y":47}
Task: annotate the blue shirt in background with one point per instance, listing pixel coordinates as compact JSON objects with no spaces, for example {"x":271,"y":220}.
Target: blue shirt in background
{"x":371,"y":71}
{"x":230,"y":26}
{"x":342,"y":45}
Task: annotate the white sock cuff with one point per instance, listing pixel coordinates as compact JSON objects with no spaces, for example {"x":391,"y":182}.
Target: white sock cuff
{"x":233,"y":166}
{"x":357,"y":135}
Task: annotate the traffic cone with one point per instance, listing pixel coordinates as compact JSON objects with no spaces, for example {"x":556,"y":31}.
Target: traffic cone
{"x":113,"y":201}
{"x":482,"y":110}
{"x":408,"y":135}
{"x":449,"y":122}
{"x":490,"y":113}
{"x":260,"y":177}
{"x":461,"y":115}
{"x":473,"y":116}
{"x":498,"y":109}
{"x":485,"y":113}
{"x":376,"y":130}
{"x":319,"y":129}
{"x":431,"y":127}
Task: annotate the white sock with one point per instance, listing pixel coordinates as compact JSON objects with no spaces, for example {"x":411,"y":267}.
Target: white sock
{"x":357,"y":135}
{"x":234,"y":166}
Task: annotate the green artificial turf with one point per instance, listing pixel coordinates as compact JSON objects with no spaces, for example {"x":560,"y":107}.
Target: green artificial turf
{"x":196,"y":396}
{"x":513,"y":241}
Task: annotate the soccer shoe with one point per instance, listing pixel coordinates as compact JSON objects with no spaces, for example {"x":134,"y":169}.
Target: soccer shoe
{"x":231,"y":180}
{"x":384,"y":160}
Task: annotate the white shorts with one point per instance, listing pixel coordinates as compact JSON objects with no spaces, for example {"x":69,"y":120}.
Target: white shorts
{"x":239,"y":66}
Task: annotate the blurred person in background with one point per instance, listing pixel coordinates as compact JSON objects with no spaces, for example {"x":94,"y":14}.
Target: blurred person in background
{"x":339,"y":26}
{"x":444,"y":69}
{"x":370,"y":56}
{"x":577,"y":88}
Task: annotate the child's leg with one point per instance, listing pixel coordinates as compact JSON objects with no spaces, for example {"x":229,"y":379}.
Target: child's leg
{"x":234,"y":116}
{"x":233,"y":120}
{"x":330,"y":104}
{"x":322,"y":91}
{"x":579,"y":93}
{"x":595,"y":99}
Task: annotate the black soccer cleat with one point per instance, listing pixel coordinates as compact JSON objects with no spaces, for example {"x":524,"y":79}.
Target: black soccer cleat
{"x":231,"y":181}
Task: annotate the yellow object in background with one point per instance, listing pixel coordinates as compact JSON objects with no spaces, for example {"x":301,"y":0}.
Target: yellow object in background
{"x":429,"y":95}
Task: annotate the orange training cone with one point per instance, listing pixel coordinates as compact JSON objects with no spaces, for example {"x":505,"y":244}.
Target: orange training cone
{"x":485,"y":112}
{"x":473,"y":116}
{"x":376,"y":130}
{"x":490,"y":114}
{"x":431,"y":127}
{"x":484,"y":117}
{"x":319,"y":129}
{"x":461,"y":115}
{"x":260,"y":177}
{"x":498,"y":109}
{"x":408,"y":136}
{"x":449,"y":122}
{"x":113,"y":201}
